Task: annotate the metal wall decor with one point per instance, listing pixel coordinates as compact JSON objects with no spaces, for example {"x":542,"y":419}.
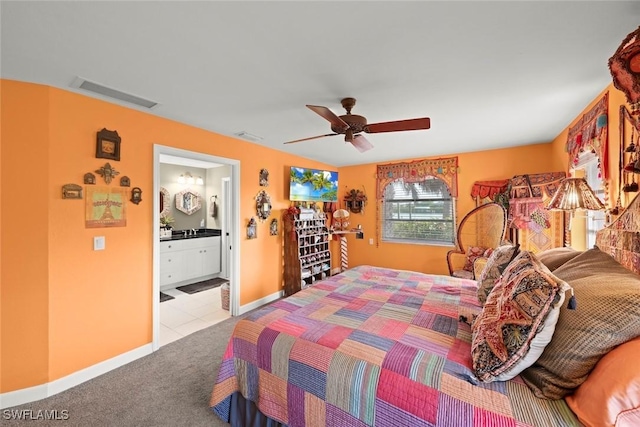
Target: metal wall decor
{"x":108,"y":145}
{"x":355,"y":200}
{"x":273,"y":227}
{"x":125,"y":181}
{"x":136,"y":195}
{"x":89,"y":178}
{"x":252,"y":229}
{"x":71,"y":191}
{"x":264,"y":178}
{"x":263,"y":205}
{"x":107,"y":173}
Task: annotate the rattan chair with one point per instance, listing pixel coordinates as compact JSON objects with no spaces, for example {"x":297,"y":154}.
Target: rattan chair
{"x":483,"y":228}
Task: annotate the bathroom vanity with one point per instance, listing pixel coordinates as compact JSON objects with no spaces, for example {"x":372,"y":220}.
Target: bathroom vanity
{"x":189,"y":256}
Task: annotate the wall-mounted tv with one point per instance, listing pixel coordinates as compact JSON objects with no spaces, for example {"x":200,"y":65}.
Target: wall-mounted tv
{"x":313,"y":185}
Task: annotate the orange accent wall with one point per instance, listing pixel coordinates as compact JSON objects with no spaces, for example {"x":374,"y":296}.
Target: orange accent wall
{"x":479,"y":165}
{"x":65,"y":307}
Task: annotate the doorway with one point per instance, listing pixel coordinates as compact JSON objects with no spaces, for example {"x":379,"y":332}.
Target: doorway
{"x":230,"y":218}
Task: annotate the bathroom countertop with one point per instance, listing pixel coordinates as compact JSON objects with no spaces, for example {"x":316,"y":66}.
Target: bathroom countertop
{"x":200,"y":232}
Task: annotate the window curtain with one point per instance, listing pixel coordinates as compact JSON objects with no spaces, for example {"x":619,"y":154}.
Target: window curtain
{"x":445,"y":169}
{"x":590,"y":134}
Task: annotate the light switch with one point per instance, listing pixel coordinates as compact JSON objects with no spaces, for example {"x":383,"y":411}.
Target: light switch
{"x":371,"y":241}
{"x":98,"y":243}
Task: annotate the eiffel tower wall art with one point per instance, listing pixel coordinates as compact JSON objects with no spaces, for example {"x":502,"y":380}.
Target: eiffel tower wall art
{"x":105,"y":207}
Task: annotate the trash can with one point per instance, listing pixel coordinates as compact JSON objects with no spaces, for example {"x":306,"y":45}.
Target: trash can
{"x":224,"y":293}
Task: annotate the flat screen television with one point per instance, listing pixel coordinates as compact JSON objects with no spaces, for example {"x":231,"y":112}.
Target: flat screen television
{"x":313,"y":185}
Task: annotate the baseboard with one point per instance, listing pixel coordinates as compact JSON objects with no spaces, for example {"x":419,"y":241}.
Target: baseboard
{"x":260,"y":302}
{"x":335,"y":271}
{"x":31,"y":394}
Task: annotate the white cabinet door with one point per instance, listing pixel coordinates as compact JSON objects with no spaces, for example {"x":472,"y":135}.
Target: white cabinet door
{"x":171,"y":267}
{"x":211,"y":257}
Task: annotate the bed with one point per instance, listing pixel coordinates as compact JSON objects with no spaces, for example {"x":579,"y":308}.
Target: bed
{"x":375,"y":346}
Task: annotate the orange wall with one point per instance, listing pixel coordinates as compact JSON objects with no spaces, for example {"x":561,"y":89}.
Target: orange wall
{"x":62,"y":303}
{"x":479,"y":165}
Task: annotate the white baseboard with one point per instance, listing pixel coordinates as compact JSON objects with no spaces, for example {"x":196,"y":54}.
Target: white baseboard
{"x":31,"y":394}
{"x":260,"y":302}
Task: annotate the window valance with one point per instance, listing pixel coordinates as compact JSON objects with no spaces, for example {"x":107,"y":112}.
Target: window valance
{"x":590,"y":134}
{"x":445,"y":169}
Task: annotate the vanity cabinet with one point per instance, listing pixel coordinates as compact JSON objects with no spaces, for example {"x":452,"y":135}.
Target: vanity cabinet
{"x":189,"y":261}
{"x":307,"y":257}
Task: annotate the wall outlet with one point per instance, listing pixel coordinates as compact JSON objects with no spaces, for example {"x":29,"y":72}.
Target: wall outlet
{"x":98,"y":243}
{"x":371,"y":241}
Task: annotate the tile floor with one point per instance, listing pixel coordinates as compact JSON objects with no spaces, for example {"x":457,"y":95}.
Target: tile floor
{"x":188,"y":313}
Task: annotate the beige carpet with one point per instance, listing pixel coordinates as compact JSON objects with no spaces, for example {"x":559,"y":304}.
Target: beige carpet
{"x":170,"y":387}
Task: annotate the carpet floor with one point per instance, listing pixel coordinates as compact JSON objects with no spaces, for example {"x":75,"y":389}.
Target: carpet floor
{"x":170,"y":387}
{"x":202,"y":286}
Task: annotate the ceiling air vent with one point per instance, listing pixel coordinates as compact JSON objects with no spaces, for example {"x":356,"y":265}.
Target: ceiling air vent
{"x":81,"y":83}
{"x":248,"y":136}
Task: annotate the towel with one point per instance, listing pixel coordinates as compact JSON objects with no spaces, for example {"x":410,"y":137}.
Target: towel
{"x":213,"y":210}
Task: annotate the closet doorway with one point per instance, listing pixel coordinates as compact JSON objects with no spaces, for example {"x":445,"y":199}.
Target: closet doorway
{"x":221,"y":184}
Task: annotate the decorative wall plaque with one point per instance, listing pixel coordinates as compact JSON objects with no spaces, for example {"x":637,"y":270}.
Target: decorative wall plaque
{"x":125,"y":181}
{"x":264,"y":178}
{"x":89,"y":178}
{"x":108,"y":145}
{"x":71,"y":191}
{"x":136,"y":195}
{"x":107,"y":172}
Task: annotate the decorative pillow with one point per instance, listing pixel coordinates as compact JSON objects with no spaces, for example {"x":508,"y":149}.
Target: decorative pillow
{"x":611,"y":392}
{"x":473,"y":252}
{"x":517,"y":321}
{"x":607,"y":315}
{"x":497,"y":262}
{"x":556,"y":257}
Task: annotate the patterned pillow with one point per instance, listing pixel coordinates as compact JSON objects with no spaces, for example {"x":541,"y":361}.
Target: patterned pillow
{"x":473,"y":252}
{"x":607,"y":315}
{"x":497,"y":262}
{"x":517,"y":321}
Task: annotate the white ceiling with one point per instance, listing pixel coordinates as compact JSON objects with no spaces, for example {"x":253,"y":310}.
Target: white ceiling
{"x":488,"y":74}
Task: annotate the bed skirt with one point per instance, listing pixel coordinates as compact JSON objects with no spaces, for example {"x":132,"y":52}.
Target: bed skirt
{"x":240,"y":412}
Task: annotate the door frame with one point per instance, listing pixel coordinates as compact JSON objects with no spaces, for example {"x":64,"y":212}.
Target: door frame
{"x":226,"y":225}
{"x":234,"y":238}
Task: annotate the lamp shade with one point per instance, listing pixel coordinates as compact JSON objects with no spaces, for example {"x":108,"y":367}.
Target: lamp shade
{"x":575,"y":193}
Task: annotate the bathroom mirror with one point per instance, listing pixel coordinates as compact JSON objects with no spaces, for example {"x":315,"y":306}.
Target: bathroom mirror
{"x":263,"y":205}
{"x":188,"y":201}
{"x":165,"y":202}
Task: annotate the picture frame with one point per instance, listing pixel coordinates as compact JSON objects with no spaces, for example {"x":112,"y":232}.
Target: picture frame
{"x":108,"y":145}
{"x":71,"y":191}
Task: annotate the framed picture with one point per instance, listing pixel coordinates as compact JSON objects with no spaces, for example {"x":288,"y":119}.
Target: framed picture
{"x":108,"y":145}
{"x":105,"y":207}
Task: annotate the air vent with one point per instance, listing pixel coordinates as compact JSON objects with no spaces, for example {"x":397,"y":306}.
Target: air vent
{"x":81,"y":83}
{"x":248,"y":136}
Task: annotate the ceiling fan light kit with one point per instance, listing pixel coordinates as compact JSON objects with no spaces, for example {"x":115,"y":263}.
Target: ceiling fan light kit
{"x":352,"y":125}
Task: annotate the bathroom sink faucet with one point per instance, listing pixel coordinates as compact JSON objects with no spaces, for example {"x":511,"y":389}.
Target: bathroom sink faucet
{"x":193,"y":231}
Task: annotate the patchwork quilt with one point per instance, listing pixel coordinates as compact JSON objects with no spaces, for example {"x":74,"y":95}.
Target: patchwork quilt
{"x":373,"y":347}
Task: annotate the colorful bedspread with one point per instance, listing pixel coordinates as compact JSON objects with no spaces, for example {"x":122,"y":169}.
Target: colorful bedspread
{"x":373,"y":347}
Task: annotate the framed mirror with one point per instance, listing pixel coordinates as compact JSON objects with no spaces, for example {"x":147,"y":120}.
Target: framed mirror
{"x":263,"y":205}
{"x":165,"y":202}
{"x":188,"y":201}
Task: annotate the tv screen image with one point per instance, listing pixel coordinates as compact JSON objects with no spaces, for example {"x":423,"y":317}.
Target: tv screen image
{"x":313,"y":185}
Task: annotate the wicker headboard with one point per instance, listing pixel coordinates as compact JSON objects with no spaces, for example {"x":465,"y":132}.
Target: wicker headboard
{"x":621,"y":239}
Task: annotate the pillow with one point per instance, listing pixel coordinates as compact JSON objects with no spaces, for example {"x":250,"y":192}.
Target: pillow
{"x":497,"y":262}
{"x":473,"y":252}
{"x":517,"y":321}
{"x":611,"y":392}
{"x":607,"y":315}
{"x":556,"y":257}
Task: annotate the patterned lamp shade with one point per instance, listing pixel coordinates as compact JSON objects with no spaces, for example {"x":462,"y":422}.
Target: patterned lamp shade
{"x":575,"y":193}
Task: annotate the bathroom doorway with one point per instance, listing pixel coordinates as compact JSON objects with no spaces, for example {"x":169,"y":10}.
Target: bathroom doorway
{"x":220,"y":185}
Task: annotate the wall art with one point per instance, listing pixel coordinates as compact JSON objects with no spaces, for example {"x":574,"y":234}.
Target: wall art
{"x":71,"y":191}
{"x":108,"y":145}
{"x":107,"y":173}
{"x":105,"y":207}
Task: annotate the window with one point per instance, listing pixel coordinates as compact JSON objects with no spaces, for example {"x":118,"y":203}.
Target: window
{"x":418,"y":212}
{"x":595,"y":219}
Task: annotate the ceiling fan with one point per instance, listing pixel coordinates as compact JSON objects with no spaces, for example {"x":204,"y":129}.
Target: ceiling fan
{"x":352,"y":125}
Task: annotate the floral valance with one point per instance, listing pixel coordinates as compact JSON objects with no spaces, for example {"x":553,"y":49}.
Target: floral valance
{"x":489,"y":189}
{"x":445,"y":169}
{"x":590,"y":134}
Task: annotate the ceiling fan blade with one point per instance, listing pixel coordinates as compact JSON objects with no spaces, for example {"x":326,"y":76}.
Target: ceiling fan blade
{"x":399,"y":125}
{"x":311,"y":137}
{"x":361,"y":143}
{"x":327,"y":114}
